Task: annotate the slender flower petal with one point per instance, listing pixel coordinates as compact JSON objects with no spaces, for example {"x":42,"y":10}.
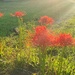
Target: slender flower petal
{"x":1,"y":14}
{"x":73,"y":42}
{"x":42,"y":37}
{"x":65,"y":39}
{"x":18,"y":14}
{"x":45,"y":20}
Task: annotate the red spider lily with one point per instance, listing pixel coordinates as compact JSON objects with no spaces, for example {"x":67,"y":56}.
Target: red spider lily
{"x":65,"y":40}
{"x":46,"y":20}
{"x":42,"y":37}
{"x":1,"y":14}
{"x":54,"y":41}
{"x":18,"y":14}
{"x":40,"y":29}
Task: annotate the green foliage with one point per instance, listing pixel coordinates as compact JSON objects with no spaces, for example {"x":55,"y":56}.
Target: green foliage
{"x":18,"y":57}
{"x":67,"y":26}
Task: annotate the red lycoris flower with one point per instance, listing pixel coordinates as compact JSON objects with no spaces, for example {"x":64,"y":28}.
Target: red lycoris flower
{"x":65,"y":40}
{"x":40,"y":29}
{"x":54,"y":41}
{"x":1,"y":14}
{"x":18,"y":14}
{"x":46,"y":20}
{"x":42,"y":37}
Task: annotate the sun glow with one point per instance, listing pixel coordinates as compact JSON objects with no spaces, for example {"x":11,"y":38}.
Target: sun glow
{"x":72,"y":1}
{"x":66,"y":8}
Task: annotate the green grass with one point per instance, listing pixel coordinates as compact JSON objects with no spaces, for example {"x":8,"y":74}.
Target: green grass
{"x":67,"y":26}
{"x":34,"y":9}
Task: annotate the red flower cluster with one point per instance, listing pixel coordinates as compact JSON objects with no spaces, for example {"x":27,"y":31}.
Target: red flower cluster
{"x":40,"y":29}
{"x":18,"y":14}
{"x":43,"y":38}
{"x":65,"y":39}
{"x":1,"y":14}
{"x":45,"y":20}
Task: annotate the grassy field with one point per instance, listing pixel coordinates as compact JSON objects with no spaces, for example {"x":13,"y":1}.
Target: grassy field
{"x":59,"y":10}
